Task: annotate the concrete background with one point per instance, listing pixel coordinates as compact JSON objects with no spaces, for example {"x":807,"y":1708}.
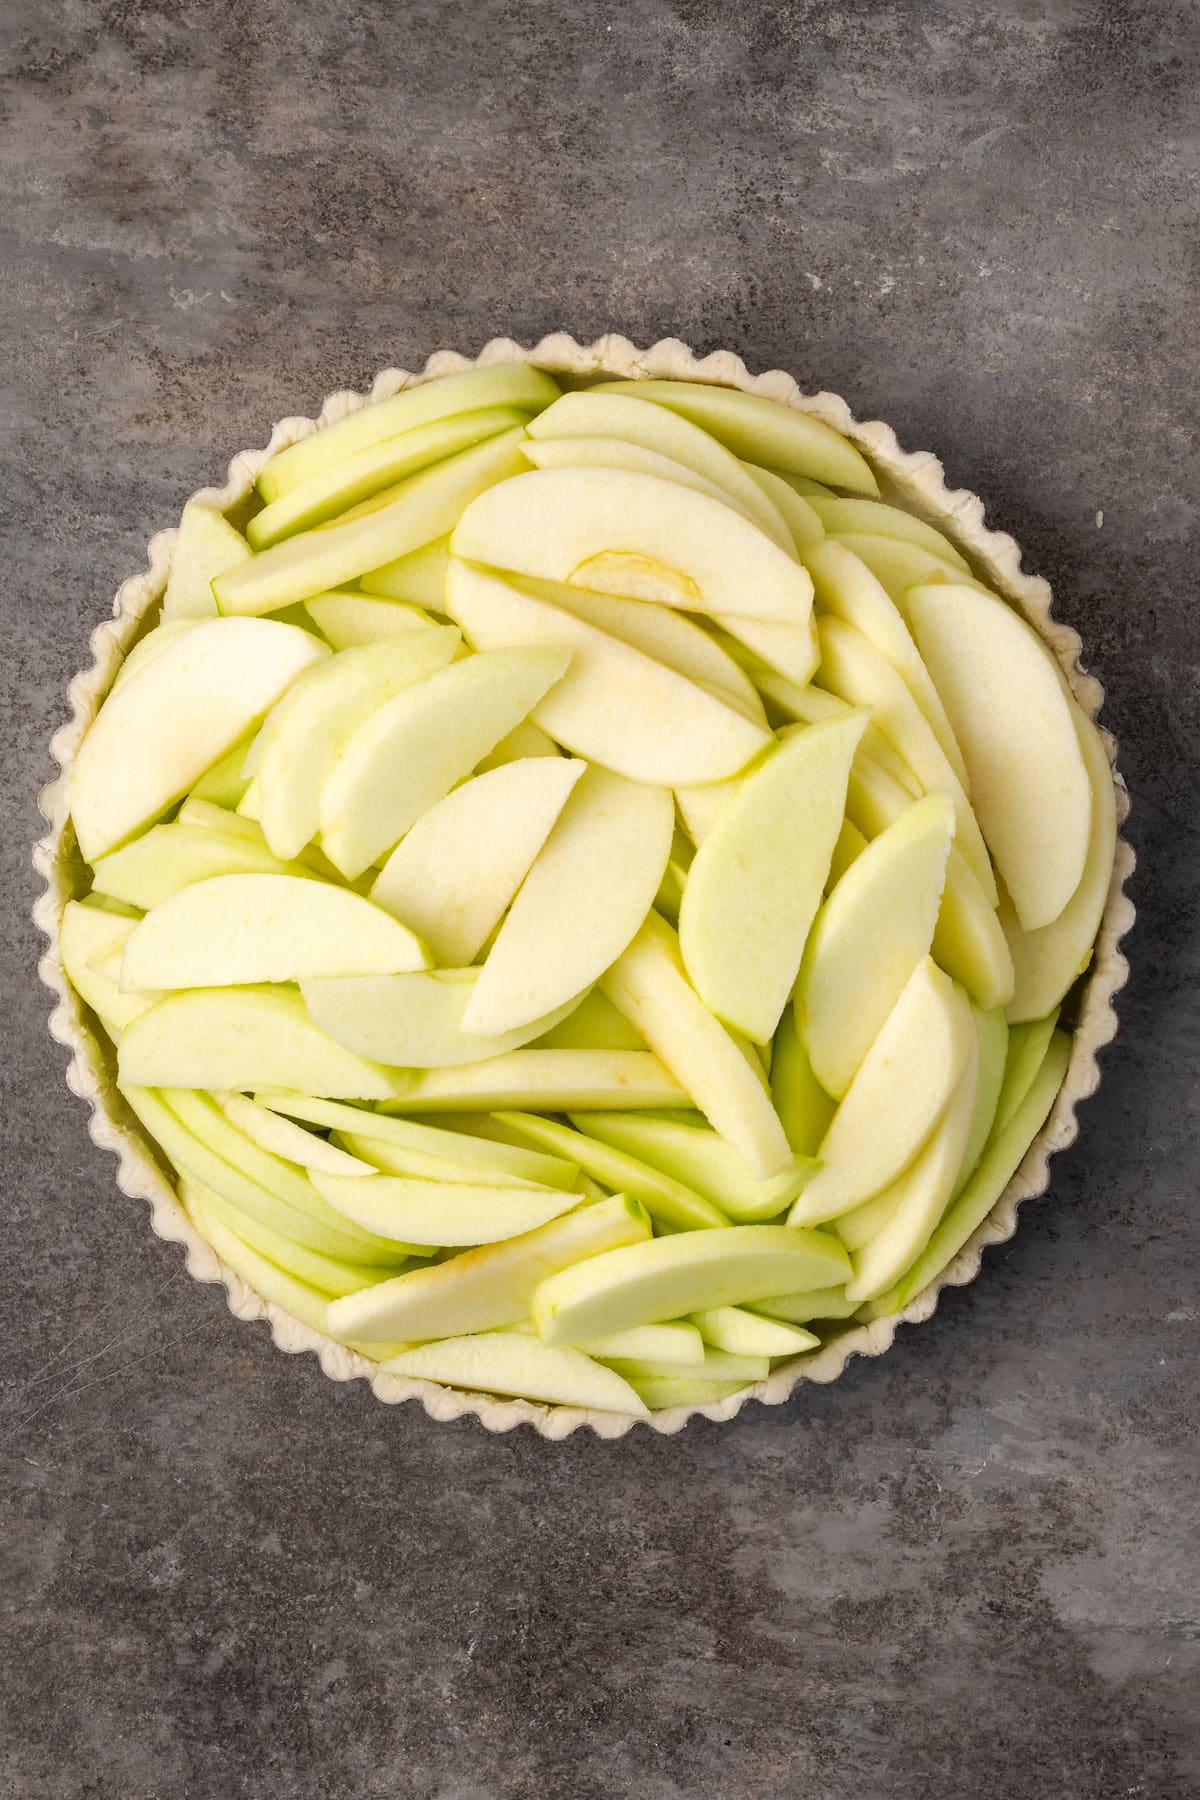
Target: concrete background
{"x":967,"y":1569}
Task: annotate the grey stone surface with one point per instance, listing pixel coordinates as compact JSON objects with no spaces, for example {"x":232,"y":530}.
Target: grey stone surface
{"x":970,"y":1568}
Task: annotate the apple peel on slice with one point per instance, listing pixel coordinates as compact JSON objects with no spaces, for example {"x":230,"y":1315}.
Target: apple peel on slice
{"x":437,"y":1213}
{"x":702,"y":1160}
{"x":502,"y":1362}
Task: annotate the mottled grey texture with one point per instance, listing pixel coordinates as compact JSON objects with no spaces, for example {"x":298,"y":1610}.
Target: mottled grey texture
{"x":970,"y":1568}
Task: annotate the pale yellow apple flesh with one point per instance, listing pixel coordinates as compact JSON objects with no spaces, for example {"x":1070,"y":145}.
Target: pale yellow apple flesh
{"x":547,"y":1081}
{"x":453,"y":876}
{"x":347,"y":621}
{"x":565,"y":927}
{"x":282,"y":1137}
{"x":756,"y":882}
{"x":670,"y":1203}
{"x":897,"y":565}
{"x":502,"y":1362}
{"x":874,"y":519}
{"x":742,"y":1333}
{"x":85,"y":934}
{"x":803,"y":1106}
{"x":808,"y":1304}
{"x":412,"y":750}
{"x":595,"y":1024}
{"x":441,"y":1213}
{"x":695,"y":1155}
{"x":991,"y":1038}
{"x":869,"y":936}
{"x":147,"y":648}
{"x":157,"y":735}
{"x":617,"y":453}
{"x":416,"y":579}
{"x":329,"y":1275}
{"x":412,"y":1021}
{"x":172,"y":857}
{"x":206,"y":545}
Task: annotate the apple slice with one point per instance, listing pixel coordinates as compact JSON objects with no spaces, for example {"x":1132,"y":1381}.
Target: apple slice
{"x":845,"y":587}
{"x":554,"y":522}
{"x":410,"y":752}
{"x":991,"y":1038}
{"x":565,"y":927}
{"x":417,"y":578}
{"x":697,"y":1157}
{"x":171,"y":857}
{"x":276,"y":1285}
{"x":869,"y":936}
{"x":86,"y":933}
{"x":808,"y":1304}
{"x":615,"y":705}
{"x":148,"y":647}
{"x":669,"y":1277}
{"x":350,"y":620}
{"x":755,"y":885}
{"x":243,"y":930}
{"x":436,"y":1213}
{"x":718,"y":1365}
{"x":414,"y":1021}
{"x":155,"y":736}
{"x":918,"y":1198}
{"x":595,"y":1024}
{"x":804,"y":527}
{"x":525,"y":739}
{"x":967,"y":941}
{"x":1029,"y":780}
{"x":874,"y":519}
{"x":453,"y":876}
{"x":383,"y":1158}
{"x":224,"y":784}
{"x":995,"y":1169}
{"x":448,"y":396}
{"x":428,"y":1150}
{"x":742,"y":1333}
{"x":803,"y":1106}
{"x":492,"y":1286}
{"x":763,"y":431}
{"x":329,"y":1275}
{"x":897,"y":565}
{"x":618,"y":453}
{"x":547,"y":1081}
{"x":304,"y":735}
{"x":721,"y":1075}
{"x":670,"y":1203}
{"x":678,"y":1344}
{"x":237,"y":1037}
{"x":852,"y":668}
{"x":669,"y":637}
{"x":402,"y":518}
{"x":654,"y":431}
{"x":900,"y":1092}
{"x":206,"y":545}
{"x":1024,"y":1055}
{"x":849,"y":847}
{"x":1048,"y":961}
{"x":282,"y":1137}
{"x":345,"y":484}
{"x":500,"y":1362}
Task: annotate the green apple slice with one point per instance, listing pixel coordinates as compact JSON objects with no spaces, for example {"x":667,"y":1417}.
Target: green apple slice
{"x":565,"y":927}
{"x":266,"y":1278}
{"x":501,"y":1362}
{"x":86,"y":933}
{"x":547,"y":1081}
{"x":237,"y":1037}
{"x":804,"y":485}
{"x":678,"y":1344}
{"x":670,"y":1203}
{"x":701,"y":807}
{"x":618,"y":453}
{"x":525,"y":739}
{"x":409,"y":753}
{"x":282,"y":1137}
{"x":349,"y":621}
{"x":328,"y":1274}
{"x":615,"y":705}
{"x":755,"y":885}
{"x":412,"y":1021}
{"x":874,"y":519}
{"x":901,"y":1090}
{"x":383,"y":1158}
{"x":157,"y":734}
{"x":661,"y":1393}
{"x":763,"y":431}
{"x":304,"y":735}
{"x":453,"y":876}
{"x":845,"y":587}
{"x":147,"y":648}
{"x":702,"y":1161}
{"x":967,"y":941}
{"x":1026,"y":1051}
{"x":804,"y":527}
{"x":206,"y":545}
{"x":554,"y":522}
{"x":669,"y":1277}
{"x":1029,"y":780}
{"x":1047,"y":962}
{"x":995,"y":1169}
{"x":917,"y":1200}
{"x":849,"y":847}
{"x":742,"y":1333}
{"x":808,"y":1304}
{"x":654,"y":431}
{"x":417,"y":578}
{"x":595,"y":1024}
{"x":898,"y":565}
{"x":244,"y":930}
{"x":669,"y":637}
{"x":803,"y":1106}
{"x":869,"y":936}
{"x":224,"y":784}
{"x":720,"y":1075}
{"x":718,"y":1365}
{"x":171,"y":857}
{"x":446,"y":397}
{"x":493,"y":1286}
{"x":345,"y":484}
{"x":852,"y":668}
{"x":435,"y":1213}
{"x":446,"y":1152}
{"x":402,"y":518}
{"x":991,"y":1037}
